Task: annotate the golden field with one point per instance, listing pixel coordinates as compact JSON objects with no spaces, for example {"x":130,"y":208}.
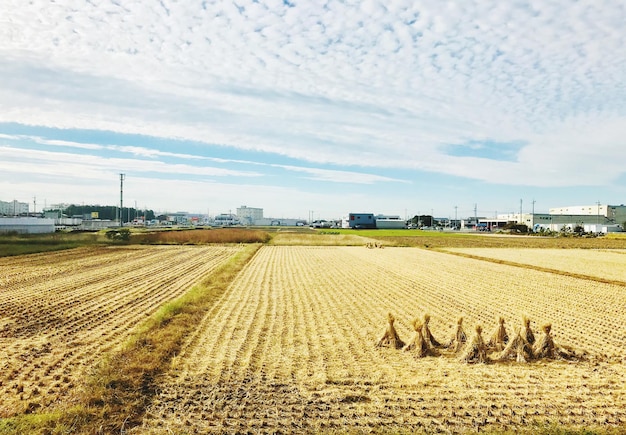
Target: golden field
{"x":60,"y":313}
{"x":288,"y":345}
{"x":291,"y":348}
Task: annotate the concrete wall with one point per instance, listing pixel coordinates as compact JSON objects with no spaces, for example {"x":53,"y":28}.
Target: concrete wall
{"x":390,"y":224}
{"x":26,"y":225}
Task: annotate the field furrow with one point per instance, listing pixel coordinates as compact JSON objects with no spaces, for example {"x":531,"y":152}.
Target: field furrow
{"x":290,"y":347}
{"x":52,"y":332}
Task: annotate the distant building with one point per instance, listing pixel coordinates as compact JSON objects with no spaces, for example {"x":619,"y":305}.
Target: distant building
{"x":225,"y":219}
{"x":26,"y":225}
{"x":596,"y":218}
{"x":279,"y":222}
{"x":358,"y":220}
{"x":389,"y":222}
{"x":593,"y":214}
{"x":250,"y":215}
{"x":13,"y":208}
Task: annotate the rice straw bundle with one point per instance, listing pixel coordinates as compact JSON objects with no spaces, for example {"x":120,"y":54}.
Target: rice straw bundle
{"x":390,"y":338}
{"x":426,"y":332}
{"x":418,"y":345}
{"x":545,"y":348}
{"x":460,"y":337}
{"x":517,"y":349}
{"x":499,"y":337}
{"x":526,"y":332}
{"x":476,"y":350}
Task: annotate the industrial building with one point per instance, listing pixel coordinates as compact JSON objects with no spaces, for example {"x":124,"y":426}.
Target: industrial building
{"x":389,"y":222}
{"x":26,"y":225}
{"x":254,"y":216}
{"x":249,"y":215}
{"x":597,"y":218}
{"x":369,"y":220}
{"x":358,"y":220}
{"x":597,"y":214}
{"x":225,"y":220}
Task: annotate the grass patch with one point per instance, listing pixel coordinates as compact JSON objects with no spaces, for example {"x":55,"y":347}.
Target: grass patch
{"x":322,"y":238}
{"x":120,"y":388}
{"x":432,"y":240}
{"x":202,"y":236}
{"x":53,"y":423}
{"x":19,"y":244}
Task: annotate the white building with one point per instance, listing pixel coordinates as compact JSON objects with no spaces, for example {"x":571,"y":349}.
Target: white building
{"x":358,"y":221}
{"x":249,"y":215}
{"x":389,"y":222}
{"x":603,"y":213}
{"x":13,"y":208}
{"x":225,"y":219}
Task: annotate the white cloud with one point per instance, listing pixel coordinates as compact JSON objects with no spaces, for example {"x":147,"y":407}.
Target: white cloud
{"x":65,"y":165}
{"x":370,"y":83}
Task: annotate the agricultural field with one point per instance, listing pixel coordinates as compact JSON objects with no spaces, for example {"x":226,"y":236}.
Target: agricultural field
{"x":603,"y":264}
{"x":62,"y":312}
{"x":291,"y":347}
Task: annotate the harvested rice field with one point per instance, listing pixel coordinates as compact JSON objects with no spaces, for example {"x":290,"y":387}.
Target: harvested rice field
{"x":290,"y":347}
{"x":604,"y":264}
{"x":60,"y":313}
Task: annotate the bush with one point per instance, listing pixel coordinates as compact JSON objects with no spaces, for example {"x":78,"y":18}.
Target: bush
{"x":121,"y":234}
{"x":197,"y":237}
{"x":516,"y":228}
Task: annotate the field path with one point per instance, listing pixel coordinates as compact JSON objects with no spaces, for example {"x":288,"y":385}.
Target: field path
{"x":290,"y":348}
{"x":60,"y":312}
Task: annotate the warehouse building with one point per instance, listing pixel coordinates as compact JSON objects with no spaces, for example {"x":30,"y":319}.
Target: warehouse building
{"x":593,"y":214}
{"x":26,"y":225}
{"x":371,"y":221}
{"x":389,"y":222}
{"x":596,"y":218}
{"x":358,"y":220}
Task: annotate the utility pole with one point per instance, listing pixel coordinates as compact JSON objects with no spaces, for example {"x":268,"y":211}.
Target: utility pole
{"x":122,"y":177}
{"x":455,"y":219}
{"x":475,"y":215}
{"x":520,"y":212}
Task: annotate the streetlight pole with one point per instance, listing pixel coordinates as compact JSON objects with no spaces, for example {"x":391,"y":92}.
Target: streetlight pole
{"x":455,"y":219}
{"x":122,"y":177}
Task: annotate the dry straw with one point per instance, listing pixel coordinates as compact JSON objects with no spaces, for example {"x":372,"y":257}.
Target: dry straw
{"x":476,"y":351}
{"x":526,"y":332}
{"x":517,"y":349}
{"x":499,"y":337}
{"x":545,"y":348}
{"x":426,"y":332}
{"x":418,"y":345}
{"x":459,"y":338}
{"x":390,"y":338}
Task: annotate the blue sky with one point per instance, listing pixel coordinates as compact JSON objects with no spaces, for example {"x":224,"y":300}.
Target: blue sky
{"x":320,"y":107}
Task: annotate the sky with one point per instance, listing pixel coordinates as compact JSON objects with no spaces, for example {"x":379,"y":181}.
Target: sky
{"x":314,"y":108}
